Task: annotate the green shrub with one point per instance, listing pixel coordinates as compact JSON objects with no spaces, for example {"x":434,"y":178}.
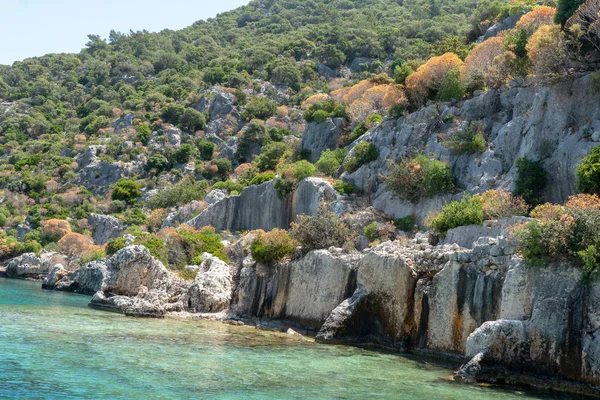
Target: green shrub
{"x":115,"y":245}
{"x":468,"y":211}
{"x":595,"y":82}
{"x":344,"y":187}
{"x":568,"y":233}
{"x":260,"y":107}
{"x":158,"y":162}
{"x":473,"y":210}
{"x":272,"y":247}
{"x":262,"y":178}
{"x":363,"y":153}
{"x":531,"y":181}
{"x":401,"y":72}
{"x":371,"y":231}
{"x":303,"y":169}
{"x":420,"y":177}
{"x":470,"y":140}
{"x":320,"y":231}
{"x":228,"y":185}
{"x":135,"y":216}
{"x":406,"y":224}
{"x":192,"y":120}
{"x":179,"y":194}
{"x":320,"y":111}
{"x":270,"y":155}
{"x":205,"y":240}
{"x":451,"y":87}
{"x":206,"y":149}
{"x":588,"y":172}
{"x":156,"y":246}
{"x":183,"y":154}
{"x":127,"y":191}
{"x":331,"y":161}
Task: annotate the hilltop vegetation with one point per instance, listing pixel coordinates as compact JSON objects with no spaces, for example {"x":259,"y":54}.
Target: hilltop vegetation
{"x":142,"y":123}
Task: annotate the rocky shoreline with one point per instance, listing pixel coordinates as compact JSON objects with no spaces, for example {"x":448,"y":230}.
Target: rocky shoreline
{"x":505,"y":321}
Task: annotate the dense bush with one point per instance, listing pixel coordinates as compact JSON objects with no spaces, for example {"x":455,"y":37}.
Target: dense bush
{"x":260,"y":107}
{"x":206,"y":149}
{"x":115,"y":245}
{"x":451,"y":88}
{"x":178,"y":194}
{"x":473,"y":210}
{"x":344,"y":187}
{"x":468,"y":211}
{"x":568,"y":233}
{"x":270,"y":155}
{"x":228,"y":185}
{"x":331,"y":161}
{"x":272,"y":247}
{"x":363,"y":153}
{"x":303,"y":169}
{"x":370,"y":231}
{"x":470,"y":140}
{"x":419,"y":177}
{"x":262,"y":178}
{"x":321,"y":231}
{"x":531,"y":181}
{"x":158,"y":162}
{"x":183,"y":154}
{"x":127,"y":191}
{"x":319,"y":112}
{"x":588,"y":172}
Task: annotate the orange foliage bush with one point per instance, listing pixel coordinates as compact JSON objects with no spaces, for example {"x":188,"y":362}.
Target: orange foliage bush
{"x":314,"y":99}
{"x":367,"y":97}
{"x":537,"y":17}
{"x":480,"y":60}
{"x":77,"y":245}
{"x":500,"y":203}
{"x":585,"y":202}
{"x":547,"y":51}
{"x":54,"y":229}
{"x":423,"y":83}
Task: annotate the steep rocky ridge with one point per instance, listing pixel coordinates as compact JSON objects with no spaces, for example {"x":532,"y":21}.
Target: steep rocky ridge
{"x":557,"y":125}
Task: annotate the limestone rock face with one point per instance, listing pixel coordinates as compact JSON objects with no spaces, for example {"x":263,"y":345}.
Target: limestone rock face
{"x":211,"y":290}
{"x":86,"y":280}
{"x":521,"y":121}
{"x":97,"y":174}
{"x":104,"y":228}
{"x":318,"y":137}
{"x":259,"y":207}
{"x":30,"y":266}
{"x":137,"y":284}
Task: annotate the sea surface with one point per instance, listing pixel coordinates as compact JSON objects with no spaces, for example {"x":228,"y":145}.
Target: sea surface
{"x":52,"y":346}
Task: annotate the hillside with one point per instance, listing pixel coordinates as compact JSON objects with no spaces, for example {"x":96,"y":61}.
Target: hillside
{"x":419,"y":174}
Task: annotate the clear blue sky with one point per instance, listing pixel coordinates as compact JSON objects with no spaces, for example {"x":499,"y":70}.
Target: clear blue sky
{"x":37,"y":27}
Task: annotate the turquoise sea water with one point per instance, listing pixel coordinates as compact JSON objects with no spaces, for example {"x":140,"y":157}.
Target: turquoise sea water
{"x":52,"y":346}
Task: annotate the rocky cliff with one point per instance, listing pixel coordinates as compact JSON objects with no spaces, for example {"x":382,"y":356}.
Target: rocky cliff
{"x":557,"y":125}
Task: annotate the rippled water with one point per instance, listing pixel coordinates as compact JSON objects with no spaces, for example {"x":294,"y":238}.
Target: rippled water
{"x":52,"y":346}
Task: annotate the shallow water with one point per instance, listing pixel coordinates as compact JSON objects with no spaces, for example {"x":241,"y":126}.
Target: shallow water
{"x":52,"y":346}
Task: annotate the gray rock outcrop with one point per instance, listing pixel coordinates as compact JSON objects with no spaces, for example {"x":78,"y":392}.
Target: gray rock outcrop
{"x":259,"y":206}
{"x":104,"y":228}
{"x":30,"y":266}
{"x":86,"y":280}
{"x":137,"y":284}
{"x":318,"y":137}
{"x":522,"y":121}
{"x":212,"y":288}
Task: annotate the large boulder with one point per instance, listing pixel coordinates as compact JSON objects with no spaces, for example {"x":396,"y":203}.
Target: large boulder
{"x":137,"y":284}
{"x":318,"y":137}
{"x":212,"y":288}
{"x":86,"y":280}
{"x":30,"y":266}
{"x":104,"y":228}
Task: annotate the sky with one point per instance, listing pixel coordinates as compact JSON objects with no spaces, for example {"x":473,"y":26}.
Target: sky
{"x":37,"y":27}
